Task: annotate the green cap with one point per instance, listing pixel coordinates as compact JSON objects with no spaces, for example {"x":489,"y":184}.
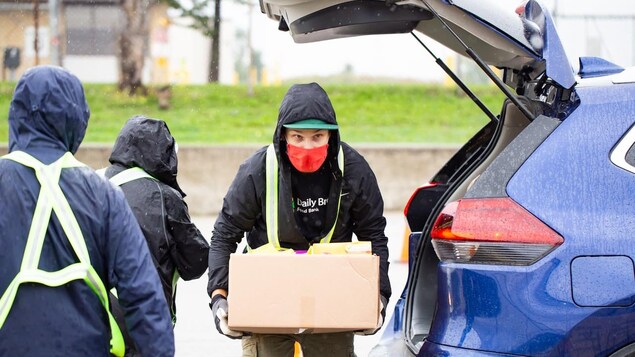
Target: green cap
{"x":311,"y":124}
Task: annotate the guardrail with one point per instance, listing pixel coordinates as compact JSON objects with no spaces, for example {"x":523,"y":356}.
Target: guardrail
{"x":205,"y":172}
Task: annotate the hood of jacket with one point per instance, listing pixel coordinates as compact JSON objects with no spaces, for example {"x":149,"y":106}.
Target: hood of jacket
{"x":305,"y":101}
{"x":48,"y":115}
{"x":147,"y":143}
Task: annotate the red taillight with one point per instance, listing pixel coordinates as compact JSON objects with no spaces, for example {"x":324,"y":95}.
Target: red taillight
{"x":491,"y":231}
{"x":426,"y":186}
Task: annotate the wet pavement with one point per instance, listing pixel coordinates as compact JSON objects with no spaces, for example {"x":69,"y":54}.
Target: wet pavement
{"x":196,"y":334}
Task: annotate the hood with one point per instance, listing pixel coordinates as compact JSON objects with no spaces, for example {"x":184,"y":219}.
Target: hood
{"x":48,"y":114}
{"x":147,"y":143}
{"x":306,"y":101}
{"x":517,"y":35}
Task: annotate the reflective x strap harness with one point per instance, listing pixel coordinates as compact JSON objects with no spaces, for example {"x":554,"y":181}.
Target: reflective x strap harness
{"x":51,"y":198}
{"x":271,"y":207}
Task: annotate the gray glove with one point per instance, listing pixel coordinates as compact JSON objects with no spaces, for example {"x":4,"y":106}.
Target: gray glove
{"x":383,"y":302}
{"x":219,"y":310}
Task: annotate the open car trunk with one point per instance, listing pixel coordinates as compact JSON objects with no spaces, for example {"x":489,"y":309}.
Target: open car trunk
{"x":450,"y":184}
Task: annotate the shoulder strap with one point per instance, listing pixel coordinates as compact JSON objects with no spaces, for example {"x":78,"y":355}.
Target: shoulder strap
{"x":131,"y":174}
{"x":340,"y":163}
{"x":271,"y":194}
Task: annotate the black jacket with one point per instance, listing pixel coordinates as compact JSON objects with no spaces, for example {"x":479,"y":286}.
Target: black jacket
{"x":174,"y":241}
{"x":361,"y":208}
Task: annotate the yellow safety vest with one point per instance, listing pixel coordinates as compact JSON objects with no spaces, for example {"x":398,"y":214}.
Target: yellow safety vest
{"x":271,"y":207}
{"x":51,"y":198}
{"x":126,"y":176}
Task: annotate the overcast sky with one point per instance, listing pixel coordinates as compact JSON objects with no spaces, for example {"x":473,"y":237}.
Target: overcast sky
{"x":395,"y":56}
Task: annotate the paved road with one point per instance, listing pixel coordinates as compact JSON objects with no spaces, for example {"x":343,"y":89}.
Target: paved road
{"x":196,"y":335}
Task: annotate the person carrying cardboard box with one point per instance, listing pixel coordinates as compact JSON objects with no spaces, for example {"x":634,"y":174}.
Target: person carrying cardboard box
{"x":307,"y":187}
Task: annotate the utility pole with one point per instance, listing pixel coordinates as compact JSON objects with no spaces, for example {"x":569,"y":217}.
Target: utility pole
{"x":214,"y":63}
{"x":250,"y":52}
{"x":36,"y":27}
{"x":54,"y":30}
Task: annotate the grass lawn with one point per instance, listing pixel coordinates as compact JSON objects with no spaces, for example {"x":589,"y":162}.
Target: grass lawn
{"x":220,"y":114}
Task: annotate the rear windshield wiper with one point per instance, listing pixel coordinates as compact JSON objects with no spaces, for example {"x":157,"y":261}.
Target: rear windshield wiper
{"x":458,"y":81}
{"x":488,"y":71}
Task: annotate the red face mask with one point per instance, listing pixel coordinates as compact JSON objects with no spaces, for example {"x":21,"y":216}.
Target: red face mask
{"x":307,"y":160}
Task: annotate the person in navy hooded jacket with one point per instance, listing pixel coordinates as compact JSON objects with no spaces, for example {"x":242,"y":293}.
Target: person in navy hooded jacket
{"x":68,"y":236}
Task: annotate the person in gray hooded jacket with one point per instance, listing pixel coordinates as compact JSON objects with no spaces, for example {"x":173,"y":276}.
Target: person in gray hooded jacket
{"x":307,"y":144}
{"x":144,"y":164}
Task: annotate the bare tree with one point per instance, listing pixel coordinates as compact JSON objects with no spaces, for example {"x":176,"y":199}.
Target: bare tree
{"x":132,"y":46}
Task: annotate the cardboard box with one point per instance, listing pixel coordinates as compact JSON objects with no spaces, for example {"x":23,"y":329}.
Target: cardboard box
{"x":303,"y":293}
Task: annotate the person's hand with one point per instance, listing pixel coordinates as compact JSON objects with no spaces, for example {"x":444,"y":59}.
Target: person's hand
{"x":380,"y":321}
{"x":219,"y":310}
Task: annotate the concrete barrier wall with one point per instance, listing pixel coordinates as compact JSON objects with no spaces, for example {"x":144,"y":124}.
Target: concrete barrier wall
{"x":205,"y":172}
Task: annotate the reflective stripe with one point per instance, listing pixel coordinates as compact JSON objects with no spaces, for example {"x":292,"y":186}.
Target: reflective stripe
{"x":72,"y":272}
{"x":128,"y":175}
{"x":39,"y":225}
{"x":51,"y":198}
{"x":175,"y":280}
{"x":271,"y":206}
{"x":340,"y":163}
{"x":66,"y":217}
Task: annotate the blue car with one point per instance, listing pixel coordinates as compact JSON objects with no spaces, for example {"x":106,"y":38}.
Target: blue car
{"x":523,"y":243}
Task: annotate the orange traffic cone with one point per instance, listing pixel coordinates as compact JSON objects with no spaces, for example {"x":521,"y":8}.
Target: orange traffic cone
{"x":297,"y":350}
{"x":405,"y":244}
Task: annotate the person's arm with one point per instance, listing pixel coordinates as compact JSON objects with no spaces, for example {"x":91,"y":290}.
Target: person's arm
{"x":190,"y":250}
{"x":241,"y":208}
{"x":222,"y":292}
{"x":367,"y":212}
{"x":133,"y":274}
